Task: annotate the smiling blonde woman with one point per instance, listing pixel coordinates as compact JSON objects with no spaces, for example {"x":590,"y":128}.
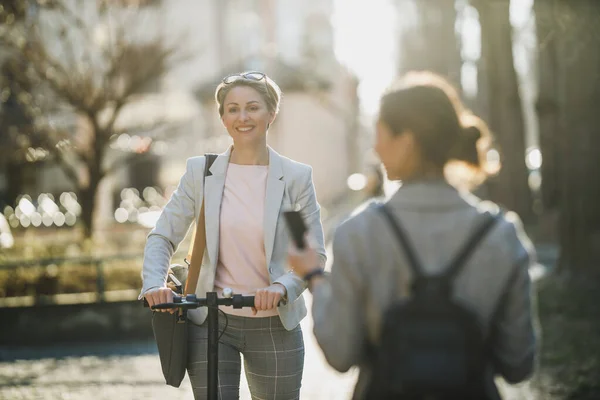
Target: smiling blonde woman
{"x":246,"y":247}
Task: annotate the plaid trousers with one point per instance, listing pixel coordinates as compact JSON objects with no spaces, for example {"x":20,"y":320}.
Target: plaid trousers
{"x":273,"y":358}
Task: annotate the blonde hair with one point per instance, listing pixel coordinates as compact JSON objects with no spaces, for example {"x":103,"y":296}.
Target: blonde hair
{"x":266,"y":87}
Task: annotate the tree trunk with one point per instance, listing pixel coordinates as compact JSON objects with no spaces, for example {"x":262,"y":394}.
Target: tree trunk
{"x":510,"y":187}
{"x":547,"y":103}
{"x":87,"y":197}
{"x":433,"y":44}
{"x":15,"y":173}
{"x":578,"y":94}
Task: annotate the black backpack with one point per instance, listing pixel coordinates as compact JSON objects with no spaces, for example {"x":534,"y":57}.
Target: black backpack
{"x":432,"y":346}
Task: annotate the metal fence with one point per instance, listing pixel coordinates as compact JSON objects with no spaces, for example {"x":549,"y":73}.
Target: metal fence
{"x":96,"y":262}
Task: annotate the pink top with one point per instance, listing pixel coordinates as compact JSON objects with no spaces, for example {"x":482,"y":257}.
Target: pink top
{"x":242,"y":259}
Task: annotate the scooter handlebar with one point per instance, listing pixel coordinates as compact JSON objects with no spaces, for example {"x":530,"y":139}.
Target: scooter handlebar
{"x":190,"y":301}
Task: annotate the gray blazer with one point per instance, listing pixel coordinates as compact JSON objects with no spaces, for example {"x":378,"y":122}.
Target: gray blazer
{"x":370,"y":270}
{"x":289,"y":184}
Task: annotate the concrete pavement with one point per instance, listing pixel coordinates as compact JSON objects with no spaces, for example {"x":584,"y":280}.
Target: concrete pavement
{"x":132,"y":371}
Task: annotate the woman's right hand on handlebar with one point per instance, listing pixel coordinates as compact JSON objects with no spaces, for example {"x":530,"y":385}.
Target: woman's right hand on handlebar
{"x":160,"y":296}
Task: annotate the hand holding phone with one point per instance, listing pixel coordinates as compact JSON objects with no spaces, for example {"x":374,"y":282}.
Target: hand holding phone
{"x":296,"y":226}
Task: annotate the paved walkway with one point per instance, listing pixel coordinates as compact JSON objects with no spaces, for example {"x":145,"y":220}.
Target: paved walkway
{"x":131,"y":371}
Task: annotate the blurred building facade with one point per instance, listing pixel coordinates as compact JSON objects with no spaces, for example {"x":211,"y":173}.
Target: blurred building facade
{"x":293,"y":43}
{"x":289,"y":40}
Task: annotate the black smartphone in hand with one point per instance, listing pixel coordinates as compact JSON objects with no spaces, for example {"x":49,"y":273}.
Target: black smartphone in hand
{"x":296,"y":226}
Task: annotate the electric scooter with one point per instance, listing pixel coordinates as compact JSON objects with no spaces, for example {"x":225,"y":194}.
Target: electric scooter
{"x":212,"y":302}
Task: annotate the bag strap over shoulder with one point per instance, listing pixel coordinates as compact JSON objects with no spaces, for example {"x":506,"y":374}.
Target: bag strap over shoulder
{"x":198,"y":242}
{"x":465,"y":252}
{"x":459,"y":260}
{"x":400,"y":233}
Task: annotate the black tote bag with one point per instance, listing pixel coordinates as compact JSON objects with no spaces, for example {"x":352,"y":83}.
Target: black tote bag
{"x":171,"y":330}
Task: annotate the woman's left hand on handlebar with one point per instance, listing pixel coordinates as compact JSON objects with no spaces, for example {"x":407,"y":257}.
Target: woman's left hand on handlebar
{"x":159,"y":296}
{"x":268,"y":298}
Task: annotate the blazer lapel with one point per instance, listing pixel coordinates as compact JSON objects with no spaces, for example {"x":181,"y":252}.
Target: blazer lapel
{"x":213,"y":193}
{"x":273,"y":198}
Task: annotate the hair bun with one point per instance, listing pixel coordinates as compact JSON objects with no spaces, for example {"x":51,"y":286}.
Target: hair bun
{"x":472,"y":133}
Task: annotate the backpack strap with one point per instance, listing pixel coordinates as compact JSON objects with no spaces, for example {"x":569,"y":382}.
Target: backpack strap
{"x":460,"y":259}
{"x":402,"y":237}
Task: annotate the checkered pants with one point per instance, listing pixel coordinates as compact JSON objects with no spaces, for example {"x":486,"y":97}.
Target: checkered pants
{"x":273,"y":358}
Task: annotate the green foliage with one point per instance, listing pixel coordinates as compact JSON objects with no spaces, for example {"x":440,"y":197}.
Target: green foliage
{"x":75,"y":278}
{"x":68,"y":274}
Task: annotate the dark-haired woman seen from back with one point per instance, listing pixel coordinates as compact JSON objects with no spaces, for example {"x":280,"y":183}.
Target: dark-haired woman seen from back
{"x":426,"y":139}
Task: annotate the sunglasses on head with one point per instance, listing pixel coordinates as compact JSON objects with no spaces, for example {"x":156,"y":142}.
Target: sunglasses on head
{"x":252,"y":75}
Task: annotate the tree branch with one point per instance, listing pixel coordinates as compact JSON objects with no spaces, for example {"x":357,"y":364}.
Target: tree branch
{"x":67,"y":168}
{"x":59,"y":79}
{"x":109,"y":127}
